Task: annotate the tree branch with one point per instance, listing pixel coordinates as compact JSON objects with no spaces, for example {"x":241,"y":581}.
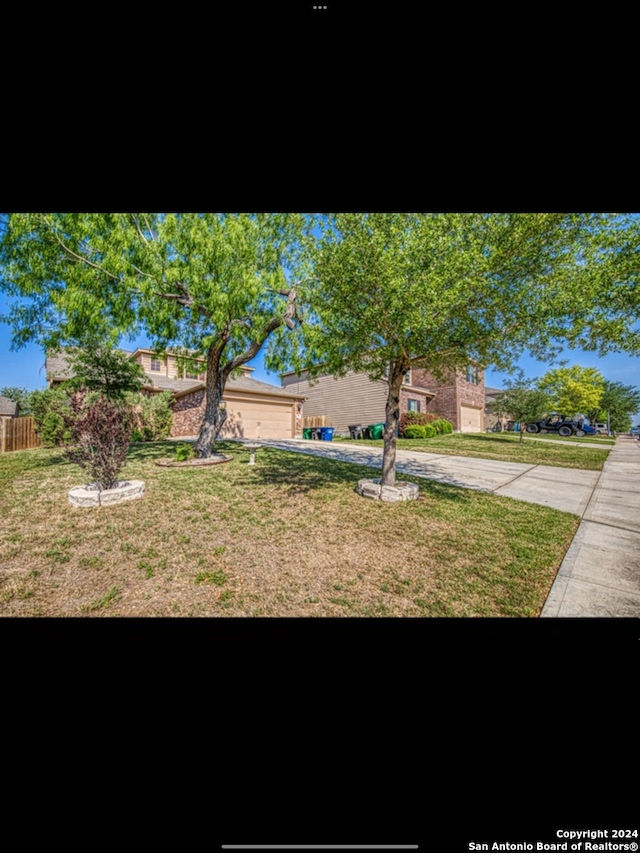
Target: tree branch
{"x":79,"y":257}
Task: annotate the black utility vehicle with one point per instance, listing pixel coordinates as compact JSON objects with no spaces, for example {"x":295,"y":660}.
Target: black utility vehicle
{"x":560,"y":424}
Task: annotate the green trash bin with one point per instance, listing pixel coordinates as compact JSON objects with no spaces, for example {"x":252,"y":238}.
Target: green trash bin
{"x":376,"y":430}
{"x":306,"y":432}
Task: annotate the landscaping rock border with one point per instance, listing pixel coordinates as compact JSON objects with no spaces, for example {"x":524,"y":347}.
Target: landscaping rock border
{"x":402,"y":491}
{"x":193,"y":463}
{"x":90,"y":495}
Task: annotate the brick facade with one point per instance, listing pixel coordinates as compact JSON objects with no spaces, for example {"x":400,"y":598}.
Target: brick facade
{"x":188,"y":412}
{"x":406,"y":395}
{"x":451,"y":393}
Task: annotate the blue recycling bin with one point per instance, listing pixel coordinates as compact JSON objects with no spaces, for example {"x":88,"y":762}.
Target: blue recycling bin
{"x":326,"y":433}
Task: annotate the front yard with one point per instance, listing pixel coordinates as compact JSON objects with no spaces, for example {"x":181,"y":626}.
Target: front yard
{"x":286,"y":537}
{"x":504,"y":446}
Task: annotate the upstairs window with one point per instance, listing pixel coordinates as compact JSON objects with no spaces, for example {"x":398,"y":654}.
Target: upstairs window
{"x":406,"y":380}
{"x":472,"y":374}
{"x":156,"y":365}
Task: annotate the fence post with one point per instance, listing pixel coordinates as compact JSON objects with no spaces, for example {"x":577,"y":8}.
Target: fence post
{"x":4,"y":426}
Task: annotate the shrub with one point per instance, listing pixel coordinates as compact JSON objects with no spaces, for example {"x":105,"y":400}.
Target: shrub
{"x":52,"y":415}
{"x":184,"y":452}
{"x":415,"y":431}
{"x":429,"y":431}
{"x":101,"y":433}
{"x":415,"y":419}
{"x":152,"y":416}
{"x":443,"y":426}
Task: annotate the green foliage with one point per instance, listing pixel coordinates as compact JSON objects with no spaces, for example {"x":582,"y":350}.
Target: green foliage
{"x":444,"y":290}
{"x":21,"y":396}
{"x":184,"y":452}
{"x":100,"y":367}
{"x":573,"y":390}
{"x":430,"y":431}
{"x":152,"y":416}
{"x":52,"y":414}
{"x":202,"y":284}
{"x":442,"y":426}
{"x":420,"y":418}
{"x":416,"y":431}
{"x":521,"y":401}
{"x":620,"y":402}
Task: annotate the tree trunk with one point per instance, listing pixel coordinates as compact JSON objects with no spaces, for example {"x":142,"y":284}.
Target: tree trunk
{"x":392,"y":415}
{"x":214,"y":416}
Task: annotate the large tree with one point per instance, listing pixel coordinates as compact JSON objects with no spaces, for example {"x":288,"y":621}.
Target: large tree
{"x":573,"y":390}
{"x":443,"y":290}
{"x":618,"y":404}
{"x":208,"y":285}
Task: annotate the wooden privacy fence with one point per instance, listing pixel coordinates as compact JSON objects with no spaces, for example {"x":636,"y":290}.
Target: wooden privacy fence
{"x":17,"y":434}
{"x":314,"y":421}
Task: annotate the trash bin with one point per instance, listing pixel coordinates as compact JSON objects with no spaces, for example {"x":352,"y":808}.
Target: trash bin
{"x":306,"y":432}
{"x":355,"y":431}
{"x":376,"y":430}
{"x":315,"y":432}
{"x":326,"y":433}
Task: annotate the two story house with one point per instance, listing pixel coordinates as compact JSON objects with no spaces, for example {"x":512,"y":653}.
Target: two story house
{"x":254,"y":409}
{"x":355,"y":399}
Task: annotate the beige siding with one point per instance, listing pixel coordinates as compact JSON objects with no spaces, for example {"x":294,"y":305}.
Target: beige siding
{"x":471,"y":419}
{"x":352,"y":399}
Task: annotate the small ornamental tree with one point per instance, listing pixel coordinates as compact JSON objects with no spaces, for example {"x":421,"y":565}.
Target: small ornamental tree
{"x":522,"y":402}
{"x":100,"y":367}
{"x":101,"y":432}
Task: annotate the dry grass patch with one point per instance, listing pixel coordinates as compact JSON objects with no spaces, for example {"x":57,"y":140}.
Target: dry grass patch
{"x":286,"y":537}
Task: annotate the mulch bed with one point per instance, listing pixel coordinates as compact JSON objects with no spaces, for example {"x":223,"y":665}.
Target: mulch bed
{"x":194,"y":463}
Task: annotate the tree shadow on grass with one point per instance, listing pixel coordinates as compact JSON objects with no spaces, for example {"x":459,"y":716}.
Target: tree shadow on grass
{"x":297,"y":473}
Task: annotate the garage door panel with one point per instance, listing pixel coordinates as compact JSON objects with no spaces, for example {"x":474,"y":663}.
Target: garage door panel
{"x":470,"y":419}
{"x":253,"y":420}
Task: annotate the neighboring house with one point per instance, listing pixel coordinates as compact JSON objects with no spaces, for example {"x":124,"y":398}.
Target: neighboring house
{"x":355,"y":399}
{"x":254,"y":409}
{"x":8,"y":408}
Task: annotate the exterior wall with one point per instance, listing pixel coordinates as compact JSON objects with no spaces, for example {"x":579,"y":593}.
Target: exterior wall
{"x":406,"y":395}
{"x":451,"y":393}
{"x":352,"y":399}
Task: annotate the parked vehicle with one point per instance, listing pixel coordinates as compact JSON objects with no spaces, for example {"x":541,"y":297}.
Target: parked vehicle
{"x":563,"y":426}
{"x":601,"y":429}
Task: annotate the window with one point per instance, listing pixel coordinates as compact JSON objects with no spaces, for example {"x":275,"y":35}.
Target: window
{"x":406,"y":380}
{"x":472,"y":374}
{"x":156,"y":366}
{"x":413,"y":405}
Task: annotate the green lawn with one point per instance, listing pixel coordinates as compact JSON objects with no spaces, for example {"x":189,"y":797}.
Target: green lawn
{"x":286,"y":537}
{"x":602,"y":441}
{"x":505,"y":446}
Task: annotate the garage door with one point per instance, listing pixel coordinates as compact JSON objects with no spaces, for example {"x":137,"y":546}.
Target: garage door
{"x":251,"y":419}
{"x":470,"y":419}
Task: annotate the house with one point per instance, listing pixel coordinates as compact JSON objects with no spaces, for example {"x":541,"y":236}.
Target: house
{"x":254,"y":409}
{"x":355,"y":399}
{"x":491,"y":420}
{"x":8,"y":408}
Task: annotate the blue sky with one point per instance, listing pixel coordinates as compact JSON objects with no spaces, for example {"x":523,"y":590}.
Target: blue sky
{"x":25,"y":367}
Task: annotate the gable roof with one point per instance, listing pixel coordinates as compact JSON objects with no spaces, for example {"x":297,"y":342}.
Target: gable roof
{"x":58,"y":368}
{"x":8,"y":407}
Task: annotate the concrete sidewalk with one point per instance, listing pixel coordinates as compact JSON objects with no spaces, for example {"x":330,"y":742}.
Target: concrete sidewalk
{"x":600,"y":574}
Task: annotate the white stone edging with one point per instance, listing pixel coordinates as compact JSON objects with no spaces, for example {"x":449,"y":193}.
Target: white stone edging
{"x":90,"y":495}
